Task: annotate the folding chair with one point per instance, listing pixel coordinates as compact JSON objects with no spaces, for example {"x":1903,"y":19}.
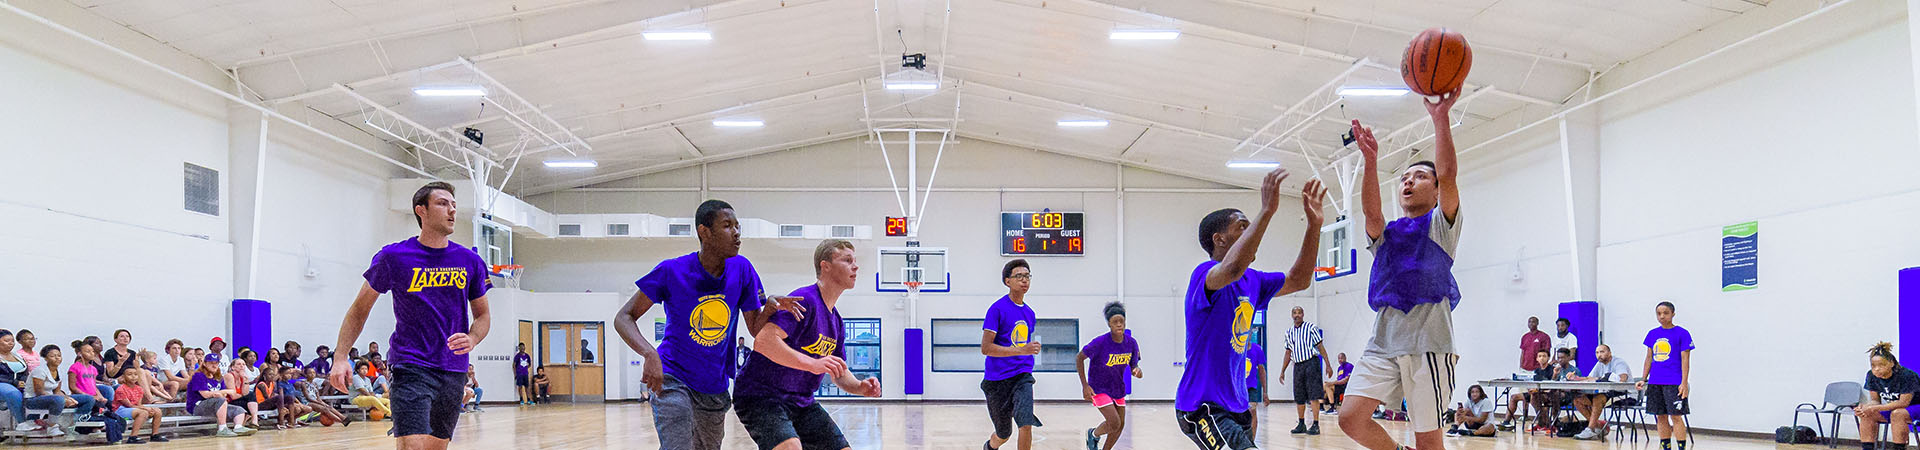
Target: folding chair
{"x":1841,"y":396}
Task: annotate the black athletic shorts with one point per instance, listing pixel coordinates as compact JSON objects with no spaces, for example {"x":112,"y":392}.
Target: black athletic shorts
{"x":1665,"y":400}
{"x":1010,"y":403}
{"x":1214,"y":428}
{"x":426,"y":401}
{"x":1306,"y":381}
{"x":771,"y":422}
{"x":520,"y":379}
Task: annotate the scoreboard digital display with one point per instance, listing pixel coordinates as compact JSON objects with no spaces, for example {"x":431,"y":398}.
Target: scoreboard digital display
{"x":1042,"y":233}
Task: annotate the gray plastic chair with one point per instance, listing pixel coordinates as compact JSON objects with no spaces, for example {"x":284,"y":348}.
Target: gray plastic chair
{"x":1841,"y":397}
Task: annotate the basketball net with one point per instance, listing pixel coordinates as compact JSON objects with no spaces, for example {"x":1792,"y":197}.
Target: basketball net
{"x":913,"y":287}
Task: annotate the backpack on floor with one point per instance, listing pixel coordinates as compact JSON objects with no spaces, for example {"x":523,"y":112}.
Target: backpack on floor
{"x":1570,"y":429}
{"x":1795,"y":435}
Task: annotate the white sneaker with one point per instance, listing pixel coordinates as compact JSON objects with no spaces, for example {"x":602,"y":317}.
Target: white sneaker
{"x":25,"y":426}
{"x":243,"y":431}
{"x":1587,"y":434}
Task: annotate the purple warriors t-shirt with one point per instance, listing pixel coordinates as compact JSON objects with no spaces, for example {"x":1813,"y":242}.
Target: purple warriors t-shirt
{"x":1666,"y":345}
{"x":431,"y":289}
{"x":1110,"y":364}
{"x":1011,"y":324}
{"x":521,"y":363}
{"x":700,"y":310}
{"x":819,"y":334}
{"x":1219,"y":326}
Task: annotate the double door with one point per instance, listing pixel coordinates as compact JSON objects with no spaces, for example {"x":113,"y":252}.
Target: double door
{"x":574,"y":355}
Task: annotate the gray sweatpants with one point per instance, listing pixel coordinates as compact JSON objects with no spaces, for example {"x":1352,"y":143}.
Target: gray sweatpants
{"x":687,"y":419}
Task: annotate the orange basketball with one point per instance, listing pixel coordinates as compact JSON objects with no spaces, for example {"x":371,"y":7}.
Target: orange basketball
{"x":376,"y":415}
{"x":1436,"y":62}
{"x":326,"y":421}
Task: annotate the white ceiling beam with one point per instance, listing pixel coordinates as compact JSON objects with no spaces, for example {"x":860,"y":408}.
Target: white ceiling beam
{"x":692,"y":150}
{"x":536,"y":31}
{"x":1109,"y":114}
{"x":518,"y":108}
{"x":1111,"y":160}
{"x":1315,"y":15}
{"x":684,"y":163}
{"x":1320,"y":93}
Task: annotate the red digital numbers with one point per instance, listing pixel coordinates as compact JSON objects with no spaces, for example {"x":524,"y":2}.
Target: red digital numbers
{"x":1073,"y":245}
{"x":1019,"y":245}
{"x":896,"y":226}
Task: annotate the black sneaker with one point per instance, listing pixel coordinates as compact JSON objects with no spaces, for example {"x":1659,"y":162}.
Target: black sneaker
{"x":158,"y":438}
{"x":1315,"y":430}
{"x":133,"y":440}
{"x":1299,"y":428}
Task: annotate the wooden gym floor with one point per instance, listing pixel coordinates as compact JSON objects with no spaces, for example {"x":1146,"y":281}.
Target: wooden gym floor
{"x":957,"y":426}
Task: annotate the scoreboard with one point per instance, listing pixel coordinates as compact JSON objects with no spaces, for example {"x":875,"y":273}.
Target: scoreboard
{"x":1042,"y":233}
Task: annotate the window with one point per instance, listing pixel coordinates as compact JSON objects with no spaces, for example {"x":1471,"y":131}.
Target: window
{"x":863,"y":355}
{"x":618,"y":229}
{"x":569,"y":229}
{"x":956,"y":345}
{"x":202,"y":190}
{"x":792,"y":231}
{"x":843,"y":231}
{"x":680,"y":229}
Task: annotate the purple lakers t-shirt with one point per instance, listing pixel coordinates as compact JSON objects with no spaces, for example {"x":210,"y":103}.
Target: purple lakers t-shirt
{"x":1110,"y":364}
{"x":431,"y":288}
{"x":818,"y":335}
{"x":1219,"y":325}
{"x":700,"y":309}
{"x":1666,"y":345}
{"x":1011,"y":324}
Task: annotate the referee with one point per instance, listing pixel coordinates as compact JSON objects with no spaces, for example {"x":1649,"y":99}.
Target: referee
{"x":1307,"y":356}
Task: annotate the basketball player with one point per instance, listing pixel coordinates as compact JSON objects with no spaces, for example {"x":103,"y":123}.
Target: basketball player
{"x":1222,"y":295}
{"x":774,"y":395}
{"x":1006,"y":340}
{"x":435,"y":282}
{"x":702,"y":290}
{"x":1411,"y":355}
{"x":1669,"y":363}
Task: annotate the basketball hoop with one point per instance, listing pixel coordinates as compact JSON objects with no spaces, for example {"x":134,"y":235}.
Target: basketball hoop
{"x":1331,"y":271}
{"x":912,"y":286}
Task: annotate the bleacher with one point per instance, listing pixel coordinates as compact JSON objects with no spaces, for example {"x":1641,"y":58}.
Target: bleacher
{"x":175,"y":421}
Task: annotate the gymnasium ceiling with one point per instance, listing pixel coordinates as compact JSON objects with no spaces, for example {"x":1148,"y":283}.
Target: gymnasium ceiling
{"x":1017,"y":67}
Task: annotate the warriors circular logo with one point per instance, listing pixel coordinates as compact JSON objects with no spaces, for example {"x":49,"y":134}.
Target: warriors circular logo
{"x":710,"y":319}
{"x":1242,"y":325}
{"x":1020,"y":333}
{"x":1662,"y":350}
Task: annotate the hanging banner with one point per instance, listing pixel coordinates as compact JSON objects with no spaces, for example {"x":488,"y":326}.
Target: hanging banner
{"x":1740,"y":257}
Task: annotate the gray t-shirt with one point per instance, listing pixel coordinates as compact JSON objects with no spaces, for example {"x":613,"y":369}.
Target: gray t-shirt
{"x":1609,"y":371}
{"x":1427,"y":327}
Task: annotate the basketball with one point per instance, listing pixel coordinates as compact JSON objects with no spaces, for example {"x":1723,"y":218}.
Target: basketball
{"x":376,"y":415}
{"x":1436,"y":62}
{"x":326,"y":421}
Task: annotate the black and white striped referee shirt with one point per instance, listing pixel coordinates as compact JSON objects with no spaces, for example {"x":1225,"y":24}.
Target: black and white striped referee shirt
{"x":1304,"y":341}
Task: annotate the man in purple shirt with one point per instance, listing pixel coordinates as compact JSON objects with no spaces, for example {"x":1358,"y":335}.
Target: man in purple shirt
{"x":1222,"y":295}
{"x":522,"y":363}
{"x":1006,"y":339}
{"x":774,"y":395}
{"x":702,"y":291}
{"x":435,"y":282}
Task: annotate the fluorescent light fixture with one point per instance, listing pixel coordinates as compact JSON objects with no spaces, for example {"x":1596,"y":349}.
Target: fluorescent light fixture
{"x":573,"y":164}
{"x":1143,"y":35}
{"x":1253,"y":164}
{"x":450,"y":91}
{"x":1089,"y":123}
{"x":739,"y":123}
{"x":677,"y":35}
{"x":1373,"y":91}
{"x":912,"y":85}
